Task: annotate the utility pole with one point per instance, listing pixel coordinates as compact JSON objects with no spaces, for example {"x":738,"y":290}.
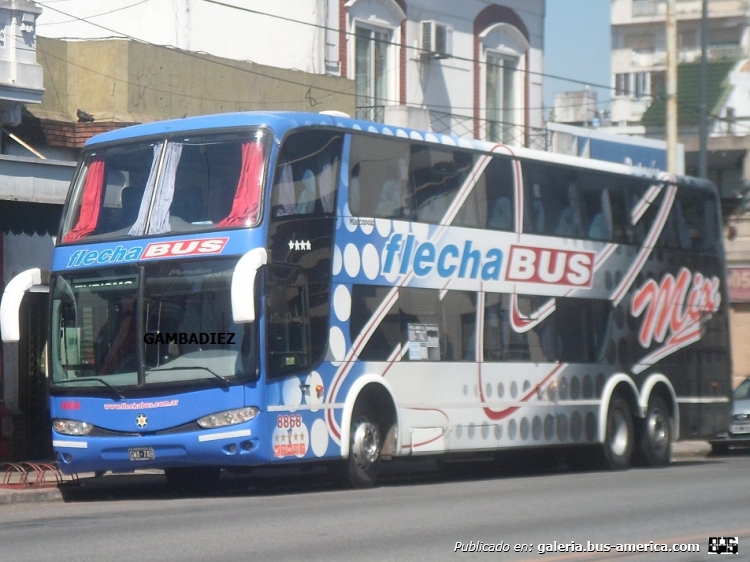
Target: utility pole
{"x":703,"y":155}
{"x":671,"y":87}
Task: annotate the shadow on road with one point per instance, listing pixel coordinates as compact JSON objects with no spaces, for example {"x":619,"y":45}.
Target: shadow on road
{"x":402,"y":472}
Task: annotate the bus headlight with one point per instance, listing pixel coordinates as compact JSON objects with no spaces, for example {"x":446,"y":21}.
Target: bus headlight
{"x":230,"y":417}
{"x":72,"y":427}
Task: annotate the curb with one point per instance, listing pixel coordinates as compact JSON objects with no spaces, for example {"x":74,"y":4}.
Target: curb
{"x":690,"y":449}
{"x":14,"y":497}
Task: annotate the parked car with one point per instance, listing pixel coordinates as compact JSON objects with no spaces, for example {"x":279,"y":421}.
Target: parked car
{"x":739,"y":429}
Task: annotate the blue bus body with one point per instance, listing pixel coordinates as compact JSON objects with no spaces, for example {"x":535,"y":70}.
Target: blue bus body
{"x":419,"y":333}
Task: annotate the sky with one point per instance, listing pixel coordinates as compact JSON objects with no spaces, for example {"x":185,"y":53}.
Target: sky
{"x":577,"y":45}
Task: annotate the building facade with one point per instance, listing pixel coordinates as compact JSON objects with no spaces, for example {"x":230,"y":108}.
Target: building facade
{"x":471,"y":68}
{"x":639,"y":46}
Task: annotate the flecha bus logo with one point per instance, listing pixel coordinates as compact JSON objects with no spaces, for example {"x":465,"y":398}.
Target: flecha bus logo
{"x":550,"y":266}
{"x":675,"y":308}
{"x":184,"y":248}
{"x":123,"y":254}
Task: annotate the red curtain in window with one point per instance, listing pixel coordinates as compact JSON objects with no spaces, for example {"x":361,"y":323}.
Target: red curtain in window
{"x":246,"y":200}
{"x":91,"y":202}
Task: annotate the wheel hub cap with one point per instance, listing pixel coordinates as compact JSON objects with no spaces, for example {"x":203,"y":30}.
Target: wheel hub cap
{"x":366,"y":444}
{"x":619,"y":434}
{"x":657,"y":429}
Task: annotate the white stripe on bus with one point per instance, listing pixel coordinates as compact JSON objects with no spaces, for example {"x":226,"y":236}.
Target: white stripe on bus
{"x":70,"y":444}
{"x":224,"y":435}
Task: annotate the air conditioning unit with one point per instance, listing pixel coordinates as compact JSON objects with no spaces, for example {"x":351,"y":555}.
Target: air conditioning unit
{"x":437,"y":40}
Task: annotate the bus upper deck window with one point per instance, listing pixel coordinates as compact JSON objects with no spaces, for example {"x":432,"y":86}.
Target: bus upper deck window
{"x":306,"y":199}
{"x":90,"y":203}
{"x":307,"y":175}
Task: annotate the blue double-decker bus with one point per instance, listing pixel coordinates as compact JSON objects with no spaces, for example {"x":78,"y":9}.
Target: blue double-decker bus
{"x":253,"y":289}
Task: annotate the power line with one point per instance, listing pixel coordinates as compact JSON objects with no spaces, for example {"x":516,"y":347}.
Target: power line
{"x":46,"y":55}
{"x":419,"y":50}
{"x":163,"y":91}
{"x":348,"y":92}
{"x":189,"y":53}
{"x":392,"y":43}
{"x":96,"y":15}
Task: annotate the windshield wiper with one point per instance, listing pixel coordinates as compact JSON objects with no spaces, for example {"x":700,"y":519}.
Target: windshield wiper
{"x":224,"y":382}
{"x":97,"y":379}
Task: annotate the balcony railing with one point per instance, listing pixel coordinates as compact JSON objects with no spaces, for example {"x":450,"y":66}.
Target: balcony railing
{"x":715,"y":52}
{"x":642,"y":8}
{"x":490,"y":130}
{"x":718,"y":52}
{"x":370,"y":113}
{"x":646,"y":8}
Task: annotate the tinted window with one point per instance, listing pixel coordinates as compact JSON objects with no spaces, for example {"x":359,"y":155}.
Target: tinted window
{"x":436,"y":176}
{"x":399,"y":180}
{"x":307,"y":175}
{"x":491,"y":202}
{"x":108,"y":191}
{"x":550,"y":340}
{"x":287,"y":337}
{"x":424,"y":325}
{"x":578,"y":203}
{"x":692,"y":223}
{"x":644,"y":201}
{"x":379,"y":174}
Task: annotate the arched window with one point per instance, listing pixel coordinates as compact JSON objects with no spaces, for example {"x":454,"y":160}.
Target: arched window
{"x":371,"y":71}
{"x":501,"y":97}
{"x":501,"y":48}
{"x":377,"y":26}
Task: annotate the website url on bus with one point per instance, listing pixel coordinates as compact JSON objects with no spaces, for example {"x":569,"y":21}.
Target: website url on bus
{"x":573,"y":546}
{"x":141,"y":405}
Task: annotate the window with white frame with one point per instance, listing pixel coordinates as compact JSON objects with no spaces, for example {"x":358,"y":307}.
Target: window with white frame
{"x":370,"y":72}
{"x":501,"y":97}
{"x":634,"y":85}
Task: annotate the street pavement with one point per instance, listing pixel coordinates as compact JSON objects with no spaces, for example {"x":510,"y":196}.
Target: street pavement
{"x":49,"y":486}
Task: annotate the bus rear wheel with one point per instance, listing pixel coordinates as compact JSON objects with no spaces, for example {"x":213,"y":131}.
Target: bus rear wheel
{"x":619,"y":436}
{"x":656,"y":437}
{"x":361,"y":468}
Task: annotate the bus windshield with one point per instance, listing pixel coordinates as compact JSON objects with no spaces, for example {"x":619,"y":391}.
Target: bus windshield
{"x":186,"y":332}
{"x":189,"y":183}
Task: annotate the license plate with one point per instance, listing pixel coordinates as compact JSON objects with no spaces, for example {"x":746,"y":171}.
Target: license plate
{"x":141,"y":454}
{"x":741,"y":428}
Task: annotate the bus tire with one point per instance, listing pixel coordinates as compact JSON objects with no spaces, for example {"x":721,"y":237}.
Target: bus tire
{"x":656,"y":436}
{"x":193,"y":480}
{"x":365,"y":443}
{"x":619,"y":435}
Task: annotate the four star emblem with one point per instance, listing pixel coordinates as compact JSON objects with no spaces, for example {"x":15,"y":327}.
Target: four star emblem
{"x":300,"y":245}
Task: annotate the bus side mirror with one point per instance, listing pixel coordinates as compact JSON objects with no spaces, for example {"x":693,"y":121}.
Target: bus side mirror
{"x":243,"y":285}
{"x":11,"y":302}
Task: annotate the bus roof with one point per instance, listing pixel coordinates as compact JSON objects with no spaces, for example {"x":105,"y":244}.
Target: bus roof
{"x":282,"y":121}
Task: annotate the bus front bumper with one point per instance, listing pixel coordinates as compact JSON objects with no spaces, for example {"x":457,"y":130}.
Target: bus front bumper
{"x":228,"y":446}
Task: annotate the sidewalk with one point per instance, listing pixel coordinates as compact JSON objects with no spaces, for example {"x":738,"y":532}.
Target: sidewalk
{"x":48,"y":491}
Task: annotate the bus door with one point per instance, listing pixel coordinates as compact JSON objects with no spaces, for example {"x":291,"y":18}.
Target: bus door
{"x":302,"y":224}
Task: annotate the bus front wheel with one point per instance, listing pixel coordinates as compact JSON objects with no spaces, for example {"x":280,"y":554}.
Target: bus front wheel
{"x":361,"y":468}
{"x":619,"y":437}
